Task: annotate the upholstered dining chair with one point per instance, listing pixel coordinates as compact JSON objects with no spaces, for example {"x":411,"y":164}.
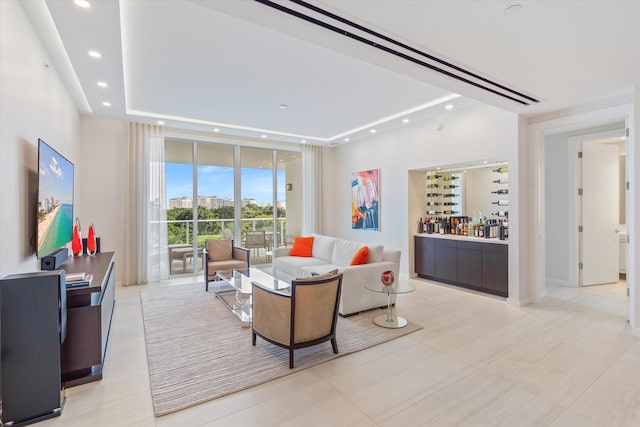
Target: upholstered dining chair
{"x":222,"y":255}
{"x":305,"y":316}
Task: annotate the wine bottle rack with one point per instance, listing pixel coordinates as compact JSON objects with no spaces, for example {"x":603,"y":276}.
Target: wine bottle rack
{"x":500,"y":198}
{"x":440,"y":194}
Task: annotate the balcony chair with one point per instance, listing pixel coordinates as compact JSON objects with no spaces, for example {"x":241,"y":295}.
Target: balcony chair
{"x":222,"y":255}
{"x":255,"y":240}
{"x":302,"y":318}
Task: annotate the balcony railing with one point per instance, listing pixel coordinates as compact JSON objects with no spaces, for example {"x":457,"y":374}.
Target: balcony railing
{"x":182,"y":231}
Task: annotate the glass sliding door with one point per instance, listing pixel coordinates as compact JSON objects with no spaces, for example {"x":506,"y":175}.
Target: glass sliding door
{"x":179,"y":183}
{"x":257,"y":196}
{"x":220,"y":191}
{"x":216,"y":216}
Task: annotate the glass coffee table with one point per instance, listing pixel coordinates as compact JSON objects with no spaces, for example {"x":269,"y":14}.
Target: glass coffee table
{"x":390,"y":319}
{"x":233,"y":287}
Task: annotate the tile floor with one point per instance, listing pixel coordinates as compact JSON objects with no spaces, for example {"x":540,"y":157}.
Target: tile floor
{"x":569,"y":361}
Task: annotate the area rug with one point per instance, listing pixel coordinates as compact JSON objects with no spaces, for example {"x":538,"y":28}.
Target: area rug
{"x":197,"y":351}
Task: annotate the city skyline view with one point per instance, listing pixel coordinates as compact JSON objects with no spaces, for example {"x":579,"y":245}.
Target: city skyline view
{"x":218,"y":181}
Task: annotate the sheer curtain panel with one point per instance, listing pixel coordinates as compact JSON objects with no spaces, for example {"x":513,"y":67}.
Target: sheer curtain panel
{"x":146,"y":258}
{"x":311,"y":189}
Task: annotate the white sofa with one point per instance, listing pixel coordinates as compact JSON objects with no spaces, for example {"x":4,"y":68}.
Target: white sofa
{"x":329,"y":253}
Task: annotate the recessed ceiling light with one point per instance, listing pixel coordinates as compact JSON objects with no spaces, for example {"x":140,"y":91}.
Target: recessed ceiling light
{"x":82,"y":3}
{"x":283,"y":106}
{"x":405,"y":120}
{"x":373,"y":131}
{"x":95,"y":54}
{"x":449,"y":107}
{"x":438,"y":169}
{"x":485,"y":162}
{"x":263,"y":136}
{"x":106,"y":104}
{"x":160,"y":122}
{"x":346,"y":140}
{"x":102,"y":84}
{"x":216,"y":130}
{"x":304,"y":141}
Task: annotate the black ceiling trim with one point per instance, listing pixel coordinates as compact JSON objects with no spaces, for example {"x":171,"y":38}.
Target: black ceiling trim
{"x":372,"y":43}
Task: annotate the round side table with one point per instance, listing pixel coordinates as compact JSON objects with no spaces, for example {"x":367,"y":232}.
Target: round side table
{"x":390,"y":319}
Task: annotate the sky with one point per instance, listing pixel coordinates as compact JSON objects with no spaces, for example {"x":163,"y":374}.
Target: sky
{"x":218,"y":181}
{"x":56,"y":175}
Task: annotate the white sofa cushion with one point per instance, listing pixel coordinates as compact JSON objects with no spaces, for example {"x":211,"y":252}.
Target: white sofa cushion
{"x":294,"y":265}
{"x":375,"y":253}
{"x":318,"y":269}
{"x":344,"y":251}
{"x":323,"y":247}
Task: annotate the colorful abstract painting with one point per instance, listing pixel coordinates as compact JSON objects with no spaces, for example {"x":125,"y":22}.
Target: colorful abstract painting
{"x":365,"y":202}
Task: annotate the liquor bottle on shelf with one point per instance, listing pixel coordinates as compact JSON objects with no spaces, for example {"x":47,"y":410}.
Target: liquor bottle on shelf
{"x":420,"y":226}
{"x":434,"y":203}
{"x":450,"y":177}
{"x":433,"y":185}
{"x":433,"y":194}
{"x":501,"y":203}
{"x":501,"y":181}
{"x":449,"y":203}
{"x":502,"y":191}
{"x":449,"y":212}
{"x":502,"y":169}
{"x":434,"y":176}
{"x":501,"y":213}
{"x":450,"y":186}
{"x":433,"y":212}
{"x":450,"y":195}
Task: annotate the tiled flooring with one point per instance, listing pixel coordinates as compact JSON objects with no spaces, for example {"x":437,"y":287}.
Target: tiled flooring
{"x":569,"y":361}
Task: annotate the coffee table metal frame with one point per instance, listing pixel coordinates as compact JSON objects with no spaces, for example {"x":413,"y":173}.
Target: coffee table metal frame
{"x":233,"y":287}
{"x":390,"y":320}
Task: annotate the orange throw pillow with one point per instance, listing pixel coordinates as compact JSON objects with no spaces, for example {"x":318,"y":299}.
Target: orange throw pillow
{"x":302,"y":246}
{"x":361,"y":256}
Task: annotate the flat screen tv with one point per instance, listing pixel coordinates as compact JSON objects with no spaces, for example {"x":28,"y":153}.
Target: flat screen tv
{"x":55,"y":200}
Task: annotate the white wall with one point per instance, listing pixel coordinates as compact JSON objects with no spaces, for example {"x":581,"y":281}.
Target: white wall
{"x":102,"y":186}
{"x":557,"y":233}
{"x":472,"y":134}
{"x":34,"y":103}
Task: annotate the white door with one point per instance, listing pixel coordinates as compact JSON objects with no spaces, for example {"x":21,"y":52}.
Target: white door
{"x":599,"y":210}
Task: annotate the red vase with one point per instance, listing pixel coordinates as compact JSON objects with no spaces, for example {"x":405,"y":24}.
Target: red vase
{"x":387,"y":278}
{"x":91,"y":240}
{"x":76,"y":239}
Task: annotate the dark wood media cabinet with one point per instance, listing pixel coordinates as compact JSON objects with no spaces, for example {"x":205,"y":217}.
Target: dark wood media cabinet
{"x":471,"y":263}
{"x":89,"y":313}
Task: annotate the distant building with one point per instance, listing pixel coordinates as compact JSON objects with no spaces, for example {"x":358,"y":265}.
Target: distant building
{"x":181,"y":202}
{"x":209,"y":202}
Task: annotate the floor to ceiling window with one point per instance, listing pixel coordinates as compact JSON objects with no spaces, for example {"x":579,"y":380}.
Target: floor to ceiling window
{"x":215,"y":189}
{"x":221,"y":191}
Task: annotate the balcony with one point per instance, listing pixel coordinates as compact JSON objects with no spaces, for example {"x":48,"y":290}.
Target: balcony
{"x":180,"y":237}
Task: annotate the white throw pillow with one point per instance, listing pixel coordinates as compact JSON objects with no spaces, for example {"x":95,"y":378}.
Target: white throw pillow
{"x":344,"y":251}
{"x":322,"y":247}
{"x":375,"y":253}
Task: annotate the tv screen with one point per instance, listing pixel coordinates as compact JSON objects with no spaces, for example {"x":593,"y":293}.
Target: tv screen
{"x":55,"y":200}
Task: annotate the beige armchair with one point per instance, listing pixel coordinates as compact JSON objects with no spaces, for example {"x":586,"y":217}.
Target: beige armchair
{"x":222,"y":255}
{"x":304,"y":317}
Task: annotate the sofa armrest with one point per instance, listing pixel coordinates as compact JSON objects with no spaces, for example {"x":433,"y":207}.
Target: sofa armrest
{"x":355,"y":297}
{"x":283,"y":251}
